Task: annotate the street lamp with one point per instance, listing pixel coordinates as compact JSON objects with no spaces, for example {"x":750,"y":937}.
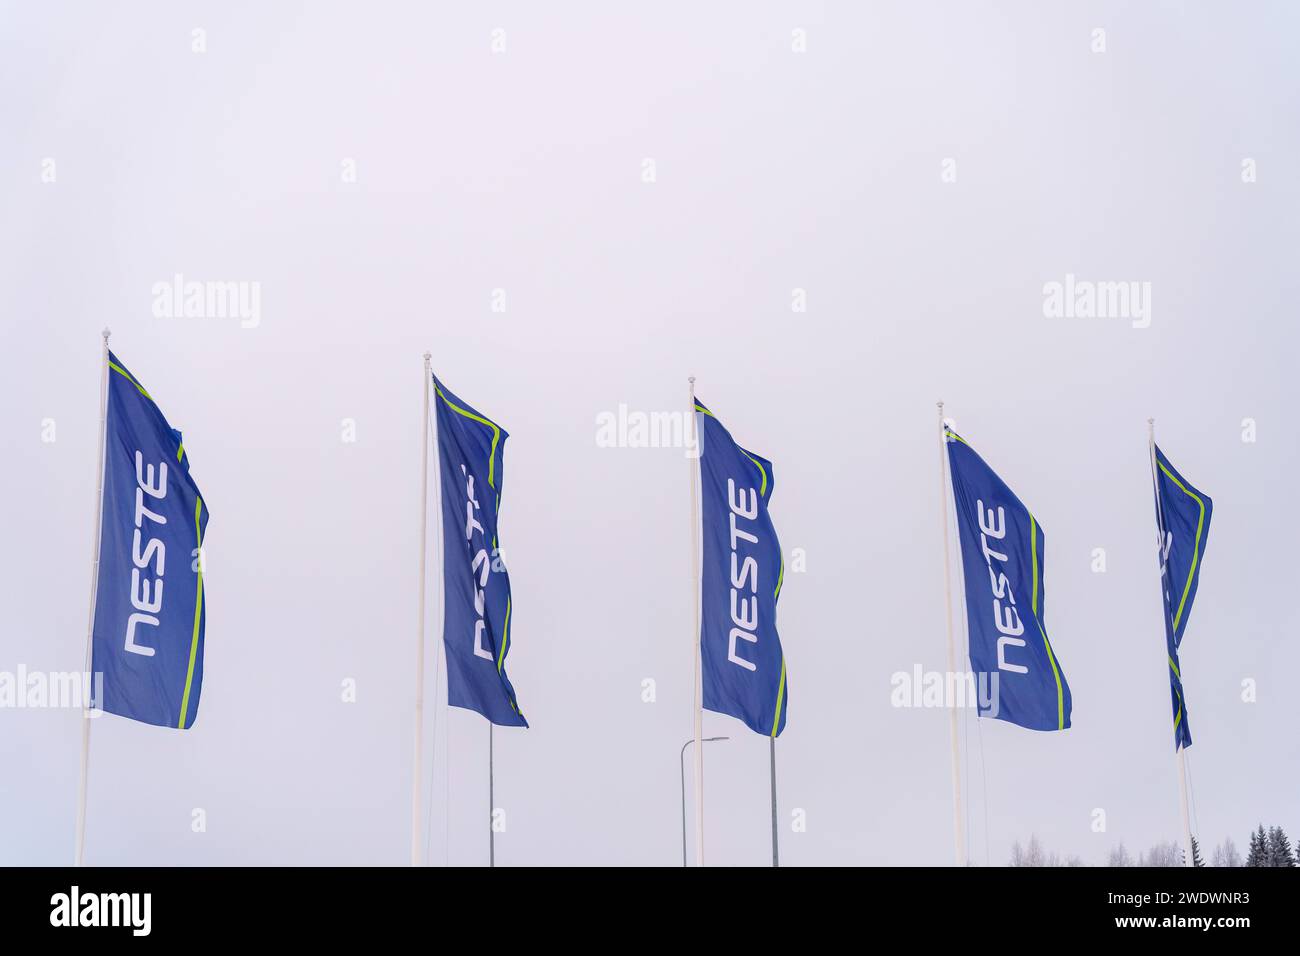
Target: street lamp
{"x":682,"y":762}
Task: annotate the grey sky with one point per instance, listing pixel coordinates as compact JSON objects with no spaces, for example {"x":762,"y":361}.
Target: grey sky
{"x":775,"y":170}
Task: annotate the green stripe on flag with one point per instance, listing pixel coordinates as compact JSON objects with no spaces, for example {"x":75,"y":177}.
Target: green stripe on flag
{"x":780,"y":699}
{"x":1033,"y":600}
{"x":198,"y":617}
{"x":1196,"y":547}
{"x":496,"y":436}
{"x":127,"y":375}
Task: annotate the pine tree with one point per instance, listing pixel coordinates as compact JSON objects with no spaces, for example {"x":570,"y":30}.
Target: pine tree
{"x":1257,"y":855}
{"x":1196,"y":854}
{"x":1278,"y":851}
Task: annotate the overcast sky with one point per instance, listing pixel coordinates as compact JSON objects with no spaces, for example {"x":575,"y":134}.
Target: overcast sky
{"x":379,"y":170}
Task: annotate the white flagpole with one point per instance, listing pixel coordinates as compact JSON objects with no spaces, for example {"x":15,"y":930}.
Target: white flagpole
{"x":695,"y":600}
{"x":1182,"y":800}
{"x":776,"y":859}
{"x":94,"y":589}
{"x":418,"y":750}
{"x":440,"y":614}
{"x":492,"y":834}
{"x":1160,"y":530}
{"x":959,"y":834}
{"x":439,"y":647}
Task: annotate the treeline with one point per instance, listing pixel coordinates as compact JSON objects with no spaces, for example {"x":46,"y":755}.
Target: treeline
{"x":1271,"y":847}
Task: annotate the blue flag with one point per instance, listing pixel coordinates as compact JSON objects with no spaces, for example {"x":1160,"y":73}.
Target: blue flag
{"x":743,"y":666}
{"x":1002,"y":563}
{"x":1183,"y":521}
{"x":149,"y":615}
{"x":476,"y":587}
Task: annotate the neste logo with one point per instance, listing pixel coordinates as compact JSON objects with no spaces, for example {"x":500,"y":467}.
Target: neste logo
{"x":147,"y":602}
{"x":479,"y":565}
{"x":1006,"y":617}
{"x":744,"y":574}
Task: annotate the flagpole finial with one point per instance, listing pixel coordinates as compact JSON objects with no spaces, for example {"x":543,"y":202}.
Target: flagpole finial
{"x":691,"y":379}
{"x":427,"y":356}
{"x":106,"y":333}
{"x":940,"y":404}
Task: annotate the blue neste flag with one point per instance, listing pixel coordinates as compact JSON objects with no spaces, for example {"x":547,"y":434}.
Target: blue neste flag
{"x":1002,"y":563}
{"x":1183,"y":521}
{"x":476,"y":587}
{"x":743,"y":666}
{"x":149,"y":614}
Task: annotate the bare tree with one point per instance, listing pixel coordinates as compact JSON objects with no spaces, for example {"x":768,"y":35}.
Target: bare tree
{"x":1162,"y":854}
{"x":1119,"y":857}
{"x":1225,"y":854}
{"x":1033,"y":854}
